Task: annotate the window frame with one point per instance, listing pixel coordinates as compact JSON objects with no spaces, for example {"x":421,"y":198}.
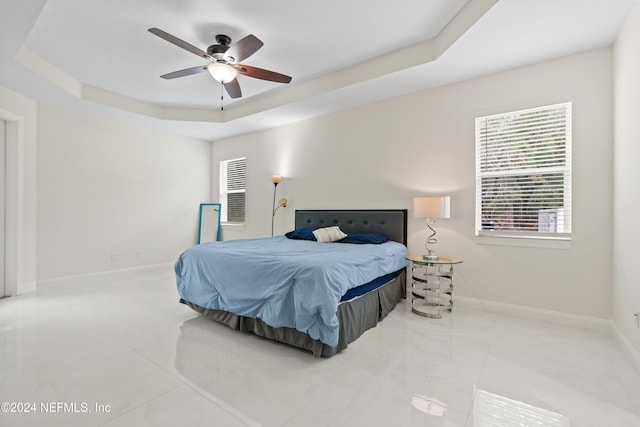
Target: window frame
{"x":525,"y":237}
{"x":224,"y":191}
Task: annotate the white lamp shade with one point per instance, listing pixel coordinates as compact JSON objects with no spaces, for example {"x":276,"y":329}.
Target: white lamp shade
{"x":223,"y":73}
{"x":431,"y":207}
{"x":276,"y":179}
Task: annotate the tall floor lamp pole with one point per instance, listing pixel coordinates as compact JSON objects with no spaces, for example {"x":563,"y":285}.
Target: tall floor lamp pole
{"x":282,"y":203}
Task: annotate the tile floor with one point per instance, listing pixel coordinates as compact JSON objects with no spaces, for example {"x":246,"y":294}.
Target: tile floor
{"x":119,"y":350}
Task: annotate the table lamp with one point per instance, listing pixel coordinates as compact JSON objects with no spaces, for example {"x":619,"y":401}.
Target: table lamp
{"x":431,"y":207}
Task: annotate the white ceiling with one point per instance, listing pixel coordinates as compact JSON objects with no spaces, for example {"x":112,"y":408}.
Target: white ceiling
{"x":97,"y":55}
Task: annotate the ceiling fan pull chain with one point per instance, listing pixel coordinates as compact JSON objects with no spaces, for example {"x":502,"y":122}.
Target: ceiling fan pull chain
{"x":221,"y":97}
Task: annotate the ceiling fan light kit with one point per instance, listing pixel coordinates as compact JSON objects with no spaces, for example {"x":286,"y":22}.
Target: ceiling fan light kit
{"x":224,"y":58}
{"x":222,"y":72}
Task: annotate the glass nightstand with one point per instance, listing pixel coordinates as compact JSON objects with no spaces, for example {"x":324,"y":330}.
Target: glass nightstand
{"x":432,"y":285}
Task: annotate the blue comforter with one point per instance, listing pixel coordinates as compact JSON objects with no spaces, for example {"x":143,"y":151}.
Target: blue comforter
{"x":285,"y":283}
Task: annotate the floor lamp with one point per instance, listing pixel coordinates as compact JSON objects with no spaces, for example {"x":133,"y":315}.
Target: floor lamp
{"x":282,"y":203}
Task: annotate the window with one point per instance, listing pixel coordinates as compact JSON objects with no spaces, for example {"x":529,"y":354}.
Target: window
{"x":233,"y":180}
{"x":523,"y":173}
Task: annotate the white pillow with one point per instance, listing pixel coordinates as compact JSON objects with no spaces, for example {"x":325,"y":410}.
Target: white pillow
{"x":329,"y":234}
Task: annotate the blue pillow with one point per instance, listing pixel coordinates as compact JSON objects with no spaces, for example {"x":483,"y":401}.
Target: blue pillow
{"x":361,"y":238}
{"x":301,"y":234}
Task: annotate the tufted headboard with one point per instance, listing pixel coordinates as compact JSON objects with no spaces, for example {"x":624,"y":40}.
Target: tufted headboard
{"x":392,"y":222}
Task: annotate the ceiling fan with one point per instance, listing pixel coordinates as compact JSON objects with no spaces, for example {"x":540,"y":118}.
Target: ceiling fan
{"x":224,"y":58}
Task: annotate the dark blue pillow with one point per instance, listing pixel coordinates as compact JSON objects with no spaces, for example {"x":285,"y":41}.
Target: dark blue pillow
{"x":363,"y":238}
{"x":301,"y":234}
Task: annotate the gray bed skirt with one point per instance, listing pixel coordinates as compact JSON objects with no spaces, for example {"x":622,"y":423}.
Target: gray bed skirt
{"x":356,"y":316}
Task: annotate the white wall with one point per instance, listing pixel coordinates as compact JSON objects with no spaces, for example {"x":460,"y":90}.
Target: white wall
{"x":381,"y":155}
{"x":21,"y":114}
{"x":626,"y":175}
{"x":106,"y":186}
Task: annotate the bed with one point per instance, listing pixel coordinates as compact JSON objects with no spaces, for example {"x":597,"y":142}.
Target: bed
{"x":313,"y":299}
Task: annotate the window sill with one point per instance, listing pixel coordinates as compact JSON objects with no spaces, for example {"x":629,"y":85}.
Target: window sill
{"x":526,"y":242}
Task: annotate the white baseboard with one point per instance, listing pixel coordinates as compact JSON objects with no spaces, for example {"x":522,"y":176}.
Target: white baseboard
{"x":605,"y":325}
{"x":628,"y":348}
{"x":143,"y":268}
{"x":24,"y":288}
{"x":533,"y":313}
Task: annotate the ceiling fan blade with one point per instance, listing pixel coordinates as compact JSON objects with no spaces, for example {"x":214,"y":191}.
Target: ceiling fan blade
{"x":180,"y":43}
{"x":233,"y":88}
{"x":185,"y":72}
{"x":244,"y":48}
{"x":260,"y":73}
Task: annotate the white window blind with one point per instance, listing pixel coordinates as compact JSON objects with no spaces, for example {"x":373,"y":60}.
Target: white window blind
{"x":233,"y":180}
{"x":523,"y":173}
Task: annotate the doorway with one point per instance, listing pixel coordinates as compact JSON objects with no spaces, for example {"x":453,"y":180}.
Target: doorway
{"x":10,"y":200}
{"x":3,"y":204}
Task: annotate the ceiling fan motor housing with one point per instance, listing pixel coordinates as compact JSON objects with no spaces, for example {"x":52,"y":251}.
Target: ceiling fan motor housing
{"x":217,"y":51}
